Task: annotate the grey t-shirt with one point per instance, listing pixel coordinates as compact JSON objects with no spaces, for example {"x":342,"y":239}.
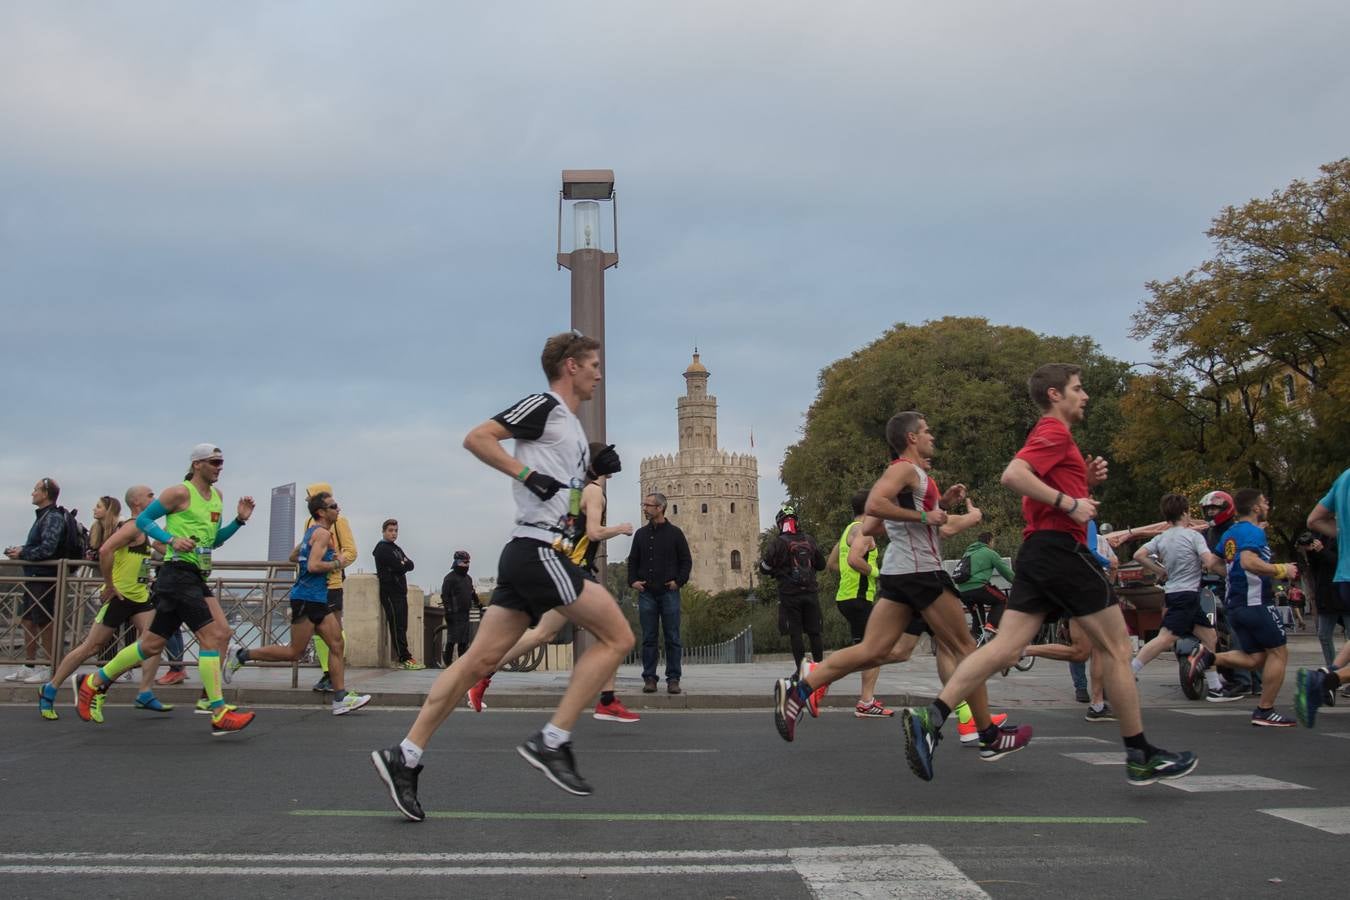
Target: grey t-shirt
{"x":1181,"y":551}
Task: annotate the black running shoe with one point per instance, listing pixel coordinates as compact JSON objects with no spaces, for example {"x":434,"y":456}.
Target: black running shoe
{"x":401,"y":780}
{"x":557,"y":765}
{"x":1226,"y":694}
{"x":1161,"y":766}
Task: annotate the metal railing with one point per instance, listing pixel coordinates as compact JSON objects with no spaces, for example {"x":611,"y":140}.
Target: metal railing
{"x":740,"y":649}
{"x":252,"y":594}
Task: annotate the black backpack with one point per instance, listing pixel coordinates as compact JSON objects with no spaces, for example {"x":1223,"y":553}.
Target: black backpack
{"x":801,"y":554}
{"x":961,"y":574}
{"x":74,"y":537}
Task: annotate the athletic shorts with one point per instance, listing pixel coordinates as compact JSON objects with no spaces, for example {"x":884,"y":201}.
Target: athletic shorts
{"x":1256,"y":628}
{"x":179,"y":597}
{"x":802,"y":610}
{"x":533,"y":578}
{"x":309,"y":609}
{"x":1057,"y":576}
{"x":1184,"y":613}
{"x":917,"y":590}
{"x":855,"y":611}
{"x":119,"y":611}
{"x":335,"y":599}
{"x":39,"y":602}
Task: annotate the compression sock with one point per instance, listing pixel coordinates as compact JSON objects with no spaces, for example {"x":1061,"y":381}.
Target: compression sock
{"x":555,"y":737}
{"x":990,"y":734}
{"x":1137,"y":742}
{"x":1212,"y":680}
{"x":963,"y":713}
{"x":606,"y":697}
{"x":321,"y":651}
{"x":208,"y":667}
{"x":412,"y":754}
{"x":128,"y":659}
{"x":938,"y":712}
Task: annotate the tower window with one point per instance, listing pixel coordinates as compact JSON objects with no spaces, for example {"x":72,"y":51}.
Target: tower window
{"x":735,"y":560}
{"x":675,"y":509}
{"x":705,"y":507}
{"x":733,"y":506}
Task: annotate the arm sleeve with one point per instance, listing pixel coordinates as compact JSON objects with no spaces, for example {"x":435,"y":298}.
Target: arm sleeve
{"x":527,"y":418}
{"x":407,"y":563}
{"x":226,"y":532}
{"x":771,"y":561}
{"x":684,"y":563}
{"x":146,"y":522}
{"x":382,"y":561}
{"x":818,"y":561}
{"x":447,"y":591}
{"x":1003,"y":568}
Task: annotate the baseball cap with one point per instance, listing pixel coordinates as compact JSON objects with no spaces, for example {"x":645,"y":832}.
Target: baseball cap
{"x":204,"y":451}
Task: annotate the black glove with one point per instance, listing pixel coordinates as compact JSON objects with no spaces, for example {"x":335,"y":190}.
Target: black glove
{"x":606,"y":462}
{"x":543,"y":486}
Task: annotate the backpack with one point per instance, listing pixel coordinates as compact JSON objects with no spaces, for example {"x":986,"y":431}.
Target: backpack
{"x":801,"y":554}
{"x":961,"y":574}
{"x":74,"y":538}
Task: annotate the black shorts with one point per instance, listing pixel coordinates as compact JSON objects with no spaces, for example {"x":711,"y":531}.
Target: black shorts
{"x":917,"y":590}
{"x":802,"y":610}
{"x":119,"y":611}
{"x":1257,"y":628}
{"x":855,"y":611}
{"x":1057,"y":576}
{"x":533,"y":578}
{"x":39,"y":602}
{"x":179,"y":597}
{"x":335,"y":599}
{"x":313,"y":610}
{"x":1184,"y":613}
{"x":985,"y":594}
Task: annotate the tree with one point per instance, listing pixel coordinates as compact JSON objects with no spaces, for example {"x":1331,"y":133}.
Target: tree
{"x":969,"y":378}
{"x":1252,"y":378}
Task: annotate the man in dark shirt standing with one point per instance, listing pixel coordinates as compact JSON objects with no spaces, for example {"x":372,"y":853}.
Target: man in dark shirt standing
{"x":658,"y":566}
{"x":458,"y":597}
{"x":391,"y":568}
{"x":45,"y":540}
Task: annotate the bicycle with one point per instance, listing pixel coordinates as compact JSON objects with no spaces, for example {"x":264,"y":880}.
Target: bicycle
{"x":526,"y":662}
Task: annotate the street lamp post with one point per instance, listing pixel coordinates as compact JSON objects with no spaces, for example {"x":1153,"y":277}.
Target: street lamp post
{"x":585,"y":190}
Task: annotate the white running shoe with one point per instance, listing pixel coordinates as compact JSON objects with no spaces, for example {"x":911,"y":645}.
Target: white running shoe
{"x":20,"y":674}
{"x":350,"y":703}
{"x":39,"y":675}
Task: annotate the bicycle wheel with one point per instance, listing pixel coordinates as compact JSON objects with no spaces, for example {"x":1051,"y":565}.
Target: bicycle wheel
{"x":526,"y":662}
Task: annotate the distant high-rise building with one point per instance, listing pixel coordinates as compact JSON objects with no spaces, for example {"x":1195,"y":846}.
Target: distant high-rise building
{"x":281,"y":527}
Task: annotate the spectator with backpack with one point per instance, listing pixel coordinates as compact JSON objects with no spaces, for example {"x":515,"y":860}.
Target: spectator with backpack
{"x":793,"y":559}
{"x":55,"y":535}
{"x":659,"y":564}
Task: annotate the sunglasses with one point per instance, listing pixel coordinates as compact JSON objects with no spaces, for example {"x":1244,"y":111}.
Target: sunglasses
{"x":214,"y":462}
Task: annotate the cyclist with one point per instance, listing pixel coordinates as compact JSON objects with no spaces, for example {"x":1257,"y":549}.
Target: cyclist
{"x":978,"y":564}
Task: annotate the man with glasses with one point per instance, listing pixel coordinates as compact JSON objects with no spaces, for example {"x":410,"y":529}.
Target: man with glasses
{"x":534,"y":575}
{"x":316,"y":557}
{"x":659,"y":564}
{"x":45,"y":539}
{"x":182,"y":596}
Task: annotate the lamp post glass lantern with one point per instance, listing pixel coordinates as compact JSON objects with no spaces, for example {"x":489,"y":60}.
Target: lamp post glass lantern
{"x":586,"y":225}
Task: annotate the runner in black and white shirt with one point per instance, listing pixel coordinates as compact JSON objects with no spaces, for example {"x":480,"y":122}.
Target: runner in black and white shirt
{"x":534,"y":573}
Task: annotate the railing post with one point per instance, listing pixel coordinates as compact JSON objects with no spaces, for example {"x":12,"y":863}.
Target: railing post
{"x":59,"y":608}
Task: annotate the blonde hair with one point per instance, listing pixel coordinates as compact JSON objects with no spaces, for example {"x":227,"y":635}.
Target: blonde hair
{"x":102,"y":529}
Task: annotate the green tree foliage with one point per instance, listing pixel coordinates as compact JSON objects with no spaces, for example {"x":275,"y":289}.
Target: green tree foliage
{"x":969,"y":379}
{"x":1252,"y":380}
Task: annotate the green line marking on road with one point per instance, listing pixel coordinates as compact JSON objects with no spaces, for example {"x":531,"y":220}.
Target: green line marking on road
{"x":731,"y":817}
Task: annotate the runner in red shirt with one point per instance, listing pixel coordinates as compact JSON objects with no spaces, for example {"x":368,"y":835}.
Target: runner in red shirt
{"x":1056,"y":575}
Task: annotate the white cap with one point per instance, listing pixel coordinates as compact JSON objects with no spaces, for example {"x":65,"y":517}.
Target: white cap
{"x":204,"y":451}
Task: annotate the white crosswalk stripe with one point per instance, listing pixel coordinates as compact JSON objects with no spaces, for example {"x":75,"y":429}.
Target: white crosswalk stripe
{"x":1198,"y":784}
{"x":1105,"y":758}
{"x":1331,"y":819}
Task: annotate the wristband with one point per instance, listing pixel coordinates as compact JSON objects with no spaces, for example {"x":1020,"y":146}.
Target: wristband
{"x":521,"y":476}
{"x":240,"y":522}
{"x":1072,"y":508}
{"x":923,"y":516}
{"x":1058,"y":497}
{"x":1281,"y":570}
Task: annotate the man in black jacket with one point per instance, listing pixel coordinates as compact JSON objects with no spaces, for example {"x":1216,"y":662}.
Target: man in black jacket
{"x":458,"y":597}
{"x":391,"y":568}
{"x":45,"y":540}
{"x":793,"y":559}
{"x":658,"y":566}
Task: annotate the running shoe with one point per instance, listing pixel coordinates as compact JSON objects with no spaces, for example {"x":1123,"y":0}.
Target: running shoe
{"x":88,"y":698}
{"x":1161,"y":766}
{"x":787,"y":707}
{"x":350,"y":702}
{"x":615,"y":711}
{"x":813,"y":701}
{"x":921,"y":739}
{"x":232,"y":665}
{"x":1103,"y":715}
{"x":20,"y":674}
{"x":1269,"y":718}
{"x":1010,"y":739}
{"x":39,"y":675}
{"x":557,"y":765}
{"x":401,"y":779}
{"x":475,"y":696}
{"x":151,"y":702}
{"x":969,"y":732}
{"x":1226,"y":694}
{"x":1081,"y":695}
{"x":47,"y":702}
{"x":173,"y":676}
{"x":323,"y":685}
{"x":1309,"y":691}
{"x":411,"y":665}
{"x":1199,"y":660}
{"x":229,"y":720}
{"x":873,"y":710}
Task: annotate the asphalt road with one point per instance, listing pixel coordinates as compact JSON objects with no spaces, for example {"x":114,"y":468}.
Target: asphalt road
{"x":690,"y":804}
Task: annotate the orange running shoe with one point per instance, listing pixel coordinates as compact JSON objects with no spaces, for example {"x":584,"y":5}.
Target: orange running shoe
{"x":615,"y":712}
{"x":475,"y":695}
{"x":229,"y":721}
{"x":89,"y":698}
{"x":813,"y":701}
{"x":970,"y":733}
{"x":874,"y":710}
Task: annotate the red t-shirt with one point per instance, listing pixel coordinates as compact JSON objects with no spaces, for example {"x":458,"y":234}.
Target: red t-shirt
{"x":1051,"y":452}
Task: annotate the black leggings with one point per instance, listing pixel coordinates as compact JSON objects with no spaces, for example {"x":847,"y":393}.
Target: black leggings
{"x":798,"y":615}
{"x":395,"y":606}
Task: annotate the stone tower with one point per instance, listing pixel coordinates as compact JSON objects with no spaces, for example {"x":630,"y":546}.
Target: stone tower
{"x":711,"y":494}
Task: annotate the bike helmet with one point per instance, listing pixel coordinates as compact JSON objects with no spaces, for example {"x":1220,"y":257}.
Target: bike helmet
{"x":786,"y":519}
{"x":1218,"y":507}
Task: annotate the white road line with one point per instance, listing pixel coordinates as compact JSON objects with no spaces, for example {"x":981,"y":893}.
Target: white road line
{"x":1070,"y":739}
{"x":402,"y":871}
{"x":1198,"y":784}
{"x":223,"y":858}
{"x":1331,"y":819}
{"x":589,"y":751}
{"x":1344,"y":735}
{"x":883,"y":871}
{"x":1211,"y":713}
{"x":1109,"y":758}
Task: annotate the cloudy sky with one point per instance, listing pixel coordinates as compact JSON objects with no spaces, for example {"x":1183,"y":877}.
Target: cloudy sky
{"x":322,"y":234}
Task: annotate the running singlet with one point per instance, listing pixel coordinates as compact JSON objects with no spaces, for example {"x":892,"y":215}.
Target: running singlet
{"x":852,"y":583}
{"x":1337,"y":501}
{"x":549,"y":439}
{"x":311,"y":586}
{"x":200,"y":521}
{"x":131,"y":571}
{"x":914,"y":546}
{"x":1246,"y":588}
{"x":1055,"y":458}
{"x":584,"y":551}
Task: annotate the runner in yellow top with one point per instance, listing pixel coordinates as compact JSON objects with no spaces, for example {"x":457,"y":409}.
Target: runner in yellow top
{"x":855,"y":559}
{"x":124,"y":560}
{"x":182,"y":595}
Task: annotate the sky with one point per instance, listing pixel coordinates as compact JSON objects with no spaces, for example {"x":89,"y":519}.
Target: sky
{"x":321,"y":235}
